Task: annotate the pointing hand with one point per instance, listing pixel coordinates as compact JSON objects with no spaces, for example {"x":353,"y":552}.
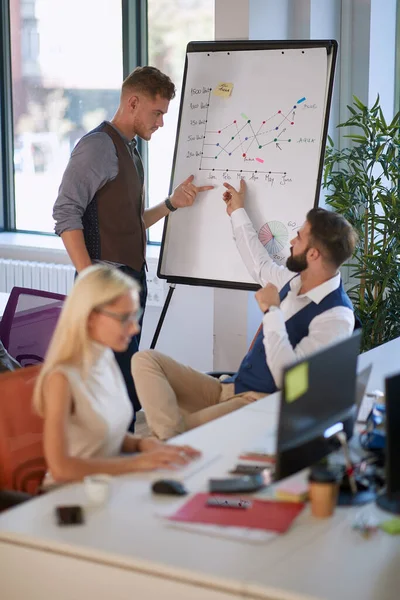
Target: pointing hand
{"x":185,"y":194}
{"x":232,"y":198}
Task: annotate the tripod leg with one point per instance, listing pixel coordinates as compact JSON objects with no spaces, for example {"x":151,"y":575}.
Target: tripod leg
{"x":162,"y":316}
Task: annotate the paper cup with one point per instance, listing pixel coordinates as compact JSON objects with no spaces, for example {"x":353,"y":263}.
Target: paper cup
{"x":323,"y":491}
{"x":97,"y":488}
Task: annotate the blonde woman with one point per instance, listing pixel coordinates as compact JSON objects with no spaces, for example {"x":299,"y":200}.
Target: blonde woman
{"x":80,"y":391}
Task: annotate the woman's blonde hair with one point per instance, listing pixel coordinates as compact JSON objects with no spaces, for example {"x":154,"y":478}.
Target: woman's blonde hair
{"x":96,"y":286}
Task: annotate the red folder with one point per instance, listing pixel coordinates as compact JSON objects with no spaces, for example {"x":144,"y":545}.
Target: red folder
{"x":265,"y":515}
{"x":258,"y":457}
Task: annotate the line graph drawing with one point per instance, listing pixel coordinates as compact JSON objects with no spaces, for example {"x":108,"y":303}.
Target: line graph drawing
{"x":244,"y":139}
{"x":274,"y":236}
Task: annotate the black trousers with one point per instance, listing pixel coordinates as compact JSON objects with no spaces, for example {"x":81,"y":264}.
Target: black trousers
{"x":124,"y":358}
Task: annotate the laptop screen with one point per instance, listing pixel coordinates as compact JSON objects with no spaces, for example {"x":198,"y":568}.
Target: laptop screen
{"x":363,"y":408}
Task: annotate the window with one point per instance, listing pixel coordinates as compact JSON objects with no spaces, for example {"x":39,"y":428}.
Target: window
{"x":66,"y":70}
{"x":171,"y":25}
{"x":66,"y":60}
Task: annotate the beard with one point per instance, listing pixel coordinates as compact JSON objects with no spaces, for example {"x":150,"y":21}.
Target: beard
{"x":142,"y":131}
{"x":298,"y":263}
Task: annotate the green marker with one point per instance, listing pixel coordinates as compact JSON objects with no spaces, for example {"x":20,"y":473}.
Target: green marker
{"x":244,"y":116}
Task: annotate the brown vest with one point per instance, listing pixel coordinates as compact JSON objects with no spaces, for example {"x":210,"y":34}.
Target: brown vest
{"x":113,"y":223}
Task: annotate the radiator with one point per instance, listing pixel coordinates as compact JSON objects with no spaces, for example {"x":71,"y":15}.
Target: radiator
{"x":49,"y":277}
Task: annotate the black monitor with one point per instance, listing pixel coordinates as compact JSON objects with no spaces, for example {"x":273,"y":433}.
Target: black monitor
{"x":390,"y":498}
{"x":318,"y":393}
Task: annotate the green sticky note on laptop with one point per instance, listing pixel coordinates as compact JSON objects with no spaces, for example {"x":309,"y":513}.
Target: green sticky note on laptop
{"x":296,"y":382}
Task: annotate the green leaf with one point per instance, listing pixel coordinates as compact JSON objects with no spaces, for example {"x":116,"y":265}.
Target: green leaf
{"x":365,"y":175}
{"x":358,"y":103}
{"x":355,"y":138}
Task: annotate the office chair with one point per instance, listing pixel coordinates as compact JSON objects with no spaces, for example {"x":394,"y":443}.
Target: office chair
{"x":22,"y":464}
{"x":28,"y":323}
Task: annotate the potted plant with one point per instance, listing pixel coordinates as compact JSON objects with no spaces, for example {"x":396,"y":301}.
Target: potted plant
{"x":363,"y":184}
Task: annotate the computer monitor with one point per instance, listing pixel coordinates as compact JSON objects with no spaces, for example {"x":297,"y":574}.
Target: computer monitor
{"x":390,"y":499}
{"x":317,"y":393}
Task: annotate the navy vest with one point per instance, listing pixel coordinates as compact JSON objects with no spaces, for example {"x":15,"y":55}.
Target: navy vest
{"x":254,"y":374}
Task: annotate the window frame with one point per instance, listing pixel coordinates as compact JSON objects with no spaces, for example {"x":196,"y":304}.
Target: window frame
{"x":7,"y":208}
{"x":134,"y":52}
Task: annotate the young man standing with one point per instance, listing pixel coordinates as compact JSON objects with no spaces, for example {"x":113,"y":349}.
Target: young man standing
{"x":99,"y":211}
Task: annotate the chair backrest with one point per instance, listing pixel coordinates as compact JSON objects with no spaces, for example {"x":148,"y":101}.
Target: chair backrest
{"x":28,"y":323}
{"x":22,"y":464}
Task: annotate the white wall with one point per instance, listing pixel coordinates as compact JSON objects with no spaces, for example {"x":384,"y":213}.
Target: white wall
{"x":187,"y":331}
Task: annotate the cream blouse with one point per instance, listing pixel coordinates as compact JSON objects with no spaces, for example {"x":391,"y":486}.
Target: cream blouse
{"x":101,"y":412}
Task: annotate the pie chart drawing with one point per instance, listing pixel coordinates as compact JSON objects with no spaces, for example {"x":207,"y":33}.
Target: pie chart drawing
{"x":274,"y":236}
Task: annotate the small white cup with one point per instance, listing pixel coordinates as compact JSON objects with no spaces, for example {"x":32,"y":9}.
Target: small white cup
{"x":97,"y":488}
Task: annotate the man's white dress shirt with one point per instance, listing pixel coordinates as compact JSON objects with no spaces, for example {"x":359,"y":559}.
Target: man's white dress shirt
{"x":328,"y":327}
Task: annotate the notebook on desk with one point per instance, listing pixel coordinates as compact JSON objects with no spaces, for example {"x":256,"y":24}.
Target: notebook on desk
{"x":266,"y":515}
{"x":262,"y":450}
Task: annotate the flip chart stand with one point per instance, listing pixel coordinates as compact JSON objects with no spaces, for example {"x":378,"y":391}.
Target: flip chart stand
{"x":172,"y":287}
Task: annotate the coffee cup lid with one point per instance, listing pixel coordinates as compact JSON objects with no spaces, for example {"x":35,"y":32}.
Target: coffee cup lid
{"x":321,"y":474}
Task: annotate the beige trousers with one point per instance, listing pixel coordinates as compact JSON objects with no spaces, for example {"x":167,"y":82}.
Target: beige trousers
{"x":176,"y":398}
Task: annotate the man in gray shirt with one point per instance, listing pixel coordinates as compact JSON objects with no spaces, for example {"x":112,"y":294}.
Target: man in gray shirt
{"x":99,"y":211}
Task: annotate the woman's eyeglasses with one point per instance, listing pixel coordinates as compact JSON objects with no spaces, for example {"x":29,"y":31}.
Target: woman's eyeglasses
{"x":123,"y":318}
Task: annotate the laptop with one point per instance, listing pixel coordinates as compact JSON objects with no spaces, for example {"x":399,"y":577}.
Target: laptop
{"x":363,"y":409}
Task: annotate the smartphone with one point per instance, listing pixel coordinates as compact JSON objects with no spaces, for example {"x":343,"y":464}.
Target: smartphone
{"x":234,"y":485}
{"x":70,"y":515}
{"x":248,"y":469}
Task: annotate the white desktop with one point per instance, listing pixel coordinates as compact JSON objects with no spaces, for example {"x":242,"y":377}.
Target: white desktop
{"x":126,"y":549}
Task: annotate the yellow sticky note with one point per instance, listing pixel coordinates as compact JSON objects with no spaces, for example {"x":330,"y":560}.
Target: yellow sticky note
{"x":296,"y":382}
{"x":223,"y":89}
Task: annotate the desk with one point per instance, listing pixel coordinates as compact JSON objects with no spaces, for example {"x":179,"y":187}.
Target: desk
{"x":385,"y":361}
{"x":125,"y":551}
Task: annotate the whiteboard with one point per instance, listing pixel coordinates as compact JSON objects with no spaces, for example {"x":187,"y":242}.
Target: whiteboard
{"x":267,"y":124}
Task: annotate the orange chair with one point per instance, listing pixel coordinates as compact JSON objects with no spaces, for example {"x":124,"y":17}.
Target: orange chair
{"x":22,"y":464}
